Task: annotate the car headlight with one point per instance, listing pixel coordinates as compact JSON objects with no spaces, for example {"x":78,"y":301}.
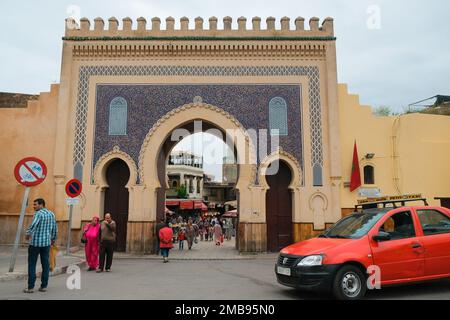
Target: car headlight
{"x":309,"y":261}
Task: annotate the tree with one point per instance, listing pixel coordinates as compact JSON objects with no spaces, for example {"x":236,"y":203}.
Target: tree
{"x":182,"y":192}
{"x":382,"y":111}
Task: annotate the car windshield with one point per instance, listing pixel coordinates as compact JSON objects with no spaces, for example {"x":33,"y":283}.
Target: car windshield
{"x":354,"y":226}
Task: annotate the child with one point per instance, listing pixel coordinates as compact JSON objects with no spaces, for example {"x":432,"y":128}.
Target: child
{"x":181,"y":238}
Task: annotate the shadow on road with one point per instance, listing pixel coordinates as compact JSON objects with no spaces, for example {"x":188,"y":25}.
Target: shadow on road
{"x":426,"y":290}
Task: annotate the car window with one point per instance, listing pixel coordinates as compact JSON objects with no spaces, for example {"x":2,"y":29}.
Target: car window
{"x":433,"y":222}
{"x":354,"y":226}
{"x":399,"y":226}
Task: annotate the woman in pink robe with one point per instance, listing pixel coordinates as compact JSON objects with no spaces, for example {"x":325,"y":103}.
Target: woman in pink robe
{"x":91,"y":249}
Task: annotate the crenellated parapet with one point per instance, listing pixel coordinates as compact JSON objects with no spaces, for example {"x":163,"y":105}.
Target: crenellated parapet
{"x":143,"y":29}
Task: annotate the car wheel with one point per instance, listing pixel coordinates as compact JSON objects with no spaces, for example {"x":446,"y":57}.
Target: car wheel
{"x":349,"y":284}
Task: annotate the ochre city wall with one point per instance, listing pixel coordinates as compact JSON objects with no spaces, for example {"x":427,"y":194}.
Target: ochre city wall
{"x":26,"y":132}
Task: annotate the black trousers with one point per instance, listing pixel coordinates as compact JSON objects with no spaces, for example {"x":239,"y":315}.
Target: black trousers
{"x":106,"y":250}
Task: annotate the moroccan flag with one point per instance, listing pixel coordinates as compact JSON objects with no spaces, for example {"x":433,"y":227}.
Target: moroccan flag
{"x":355,"y":182}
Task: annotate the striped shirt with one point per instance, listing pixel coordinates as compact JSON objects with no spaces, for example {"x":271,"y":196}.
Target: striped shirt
{"x":43,"y":230}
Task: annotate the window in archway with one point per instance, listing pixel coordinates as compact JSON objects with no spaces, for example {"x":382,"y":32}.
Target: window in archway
{"x":174,"y":184}
{"x":118,"y":114}
{"x":278,"y":116}
{"x":369,"y":175}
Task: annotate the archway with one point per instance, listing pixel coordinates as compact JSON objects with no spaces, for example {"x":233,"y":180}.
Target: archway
{"x":117,"y":199}
{"x":279,"y":208}
{"x":156,"y":148}
{"x":195,"y":164}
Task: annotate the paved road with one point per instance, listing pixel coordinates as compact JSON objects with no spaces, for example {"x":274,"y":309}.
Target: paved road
{"x":221,"y":280}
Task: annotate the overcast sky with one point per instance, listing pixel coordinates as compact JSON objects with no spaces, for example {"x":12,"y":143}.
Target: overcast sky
{"x":393,"y":61}
{"x":405,"y":60}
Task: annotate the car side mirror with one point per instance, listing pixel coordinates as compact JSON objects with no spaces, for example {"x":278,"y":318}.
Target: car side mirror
{"x":382,"y":236}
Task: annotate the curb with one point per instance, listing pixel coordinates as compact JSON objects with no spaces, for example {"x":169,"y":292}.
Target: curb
{"x":23,"y":276}
{"x":157,"y":258}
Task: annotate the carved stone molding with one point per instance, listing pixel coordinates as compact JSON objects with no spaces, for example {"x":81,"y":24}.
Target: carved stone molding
{"x":281,"y":155}
{"x":115,"y":153}
{"x":143,"y":50}
{"x":154,"y":129}
{"x":60,"y":179}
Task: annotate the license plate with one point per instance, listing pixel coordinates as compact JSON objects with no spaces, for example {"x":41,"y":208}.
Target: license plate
{"x":284,"y":271}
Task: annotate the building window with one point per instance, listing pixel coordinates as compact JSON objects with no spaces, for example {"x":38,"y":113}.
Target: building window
{"x":174,"y":184}
{"x":369,"y":175}
{"x":118,"y":114}
{"x":278,"y":116}
{"x":317,"y":176}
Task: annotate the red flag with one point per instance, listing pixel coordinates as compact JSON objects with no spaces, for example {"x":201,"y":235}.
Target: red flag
{"x":355,"y":182}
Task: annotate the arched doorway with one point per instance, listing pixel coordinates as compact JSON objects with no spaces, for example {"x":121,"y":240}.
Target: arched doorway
{"x":172,"y":167}
{"x":117,"y":199}
{"x":279,"y":208}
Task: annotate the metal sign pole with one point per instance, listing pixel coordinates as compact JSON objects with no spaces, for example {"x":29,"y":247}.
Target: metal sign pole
{"x":69,"y":230}
{"x":19,"y":229}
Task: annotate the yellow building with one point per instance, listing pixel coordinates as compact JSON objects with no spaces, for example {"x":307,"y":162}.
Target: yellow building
{"x":411,"y":152}
{"x":124,"y":91}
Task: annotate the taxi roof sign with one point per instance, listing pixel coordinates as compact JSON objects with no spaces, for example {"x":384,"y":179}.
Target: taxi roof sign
{"x":409,"y":197}
{"x":371,"y":203}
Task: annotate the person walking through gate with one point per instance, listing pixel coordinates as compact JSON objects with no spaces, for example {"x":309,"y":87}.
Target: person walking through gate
{"x":190,"y":234}
{"x":211,"y":230}
{"x":166,"y":238}
{"x":200,"y":228}
{"x":42,"y":232}
{"x":218,"y":233}
{"x":206,"y":229}
{"x":158,"y":227}
{"x":228,"y":226}
{"x":181,"y":238}
{"x":107,"y":243}
{"x":91,"y":234}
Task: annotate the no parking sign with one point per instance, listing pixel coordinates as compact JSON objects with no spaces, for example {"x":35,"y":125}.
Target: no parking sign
{"x":73,"y":190}
{"x":30,"y":171}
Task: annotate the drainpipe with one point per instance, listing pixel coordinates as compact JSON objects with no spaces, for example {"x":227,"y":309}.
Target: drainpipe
{"x":395,"y":155}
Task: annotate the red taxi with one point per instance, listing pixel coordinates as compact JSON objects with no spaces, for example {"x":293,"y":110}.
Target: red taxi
{"x":406,"y":244}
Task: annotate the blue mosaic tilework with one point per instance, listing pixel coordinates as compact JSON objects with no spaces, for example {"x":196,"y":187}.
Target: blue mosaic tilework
{"x":85,"y":72}
{"x":249,"y":104}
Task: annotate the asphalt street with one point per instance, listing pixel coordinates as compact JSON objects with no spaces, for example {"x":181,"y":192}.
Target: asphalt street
{"x":196,"y":280}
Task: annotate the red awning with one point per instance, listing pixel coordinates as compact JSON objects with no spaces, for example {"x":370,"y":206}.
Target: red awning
{"x":204,"y":207}
{"x":198,"y":204}
{"x":172,"y":202}
{"x":186,"y":205}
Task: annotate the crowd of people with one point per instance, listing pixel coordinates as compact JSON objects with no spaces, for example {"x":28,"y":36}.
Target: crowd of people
{"x":178,"y":230}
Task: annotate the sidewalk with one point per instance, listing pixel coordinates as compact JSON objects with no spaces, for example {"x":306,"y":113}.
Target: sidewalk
{"x":203,"y":250}
{"x":21,"y":266}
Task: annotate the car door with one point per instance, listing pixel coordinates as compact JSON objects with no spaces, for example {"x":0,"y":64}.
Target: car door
{"x":401,"y":257}
{"x":435,"y":228}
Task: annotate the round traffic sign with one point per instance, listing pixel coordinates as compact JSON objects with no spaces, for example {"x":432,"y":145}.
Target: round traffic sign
{"x":30,"y":171}
{"x":73,"y":188}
